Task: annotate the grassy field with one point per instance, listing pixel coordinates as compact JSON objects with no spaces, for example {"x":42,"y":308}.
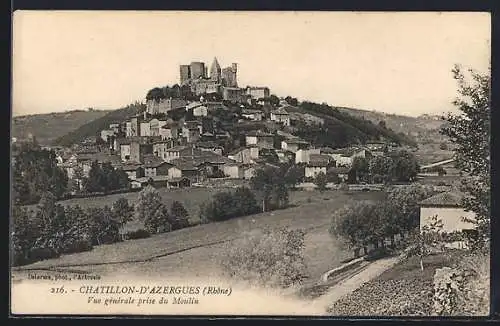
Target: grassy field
{"x":191,"y":198}
{"x":197,"y":250}
{"x":431,"y":153}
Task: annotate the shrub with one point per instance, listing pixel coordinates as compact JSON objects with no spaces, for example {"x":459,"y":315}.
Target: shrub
{"x":378,"y":253}
{"x":271,"y":258}
{"x":137,"y":234}
{"x":463,"y":290}
{"x":80,"y":245}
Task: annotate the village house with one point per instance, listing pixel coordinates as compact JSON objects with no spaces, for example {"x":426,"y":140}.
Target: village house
{"x":294,"y":144}
{"x":85,"y":160}
{"x":317,"y":163}
{"x":285,"y":156}
{"x":106,"y":133}
{"x":155,"y":166}
{"x":183,"y":169}
{"x":191,"y":134}
{"x":447,"y":206}
{"x":139,"y":148}
{"x":260,"y":139}
{"x":170,"y":130}
{"x":155,"y":107}
{"x":155,"y":126}
{"x":281,"y":116}
{"x":161,"y":146}
{"x":234,"y":170}
{"x":302,"y":155}
{"x":133,"y":171}
{"x":345,"y":156}
{"x":258,"y":93}
{"x":245,"y":155}
{"x":210,"y":146}
{"x":254,"y":115}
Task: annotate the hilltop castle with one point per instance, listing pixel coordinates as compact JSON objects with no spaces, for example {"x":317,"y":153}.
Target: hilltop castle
{"x":196,"y":76}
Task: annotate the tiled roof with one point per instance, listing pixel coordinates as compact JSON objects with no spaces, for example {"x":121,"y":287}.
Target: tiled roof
{"x":451,"y":198}
{"x":259,"y":133}
{"x":327,"y":150}
{"x":319,"y":160}
{"x":99,"y":157}
{"x":130,"y":167}
{"x":347,"y":151}
{"x":295,"y":141}
{"x":184,"y":164}
{"x":152,"y":161}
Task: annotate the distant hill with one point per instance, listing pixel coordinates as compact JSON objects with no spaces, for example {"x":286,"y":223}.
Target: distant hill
{"x":94,"y":127}
{"x":47,"y":127}
{"x":422,"y":128}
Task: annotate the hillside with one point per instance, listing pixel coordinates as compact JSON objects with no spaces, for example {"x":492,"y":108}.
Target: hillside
{"x":47,"y":127}
{"x":93,"y":128}
{"x":421,"y":128}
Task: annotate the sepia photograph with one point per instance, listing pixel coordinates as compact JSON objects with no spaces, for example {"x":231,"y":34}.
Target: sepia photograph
{"x":245,"y":163}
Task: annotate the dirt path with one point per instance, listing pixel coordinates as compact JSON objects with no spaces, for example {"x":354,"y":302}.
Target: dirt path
{"x":353,"y":282}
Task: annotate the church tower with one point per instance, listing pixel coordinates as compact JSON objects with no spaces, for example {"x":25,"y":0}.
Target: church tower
{"x":215,"y":71}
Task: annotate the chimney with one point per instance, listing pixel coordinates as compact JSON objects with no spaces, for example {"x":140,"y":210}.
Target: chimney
{"x":145,"y":115}
{"x":234,"y":66}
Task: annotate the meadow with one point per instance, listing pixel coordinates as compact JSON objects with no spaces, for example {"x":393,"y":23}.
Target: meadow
{"x":197,"y":250}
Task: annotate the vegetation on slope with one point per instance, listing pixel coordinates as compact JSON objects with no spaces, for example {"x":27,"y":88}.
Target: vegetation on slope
{"x":48,"y":127}
{"x":358,"y":128}
{"x":93,"y":128}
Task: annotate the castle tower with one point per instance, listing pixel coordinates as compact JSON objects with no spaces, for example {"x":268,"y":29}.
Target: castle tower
{"x":215,"y":71}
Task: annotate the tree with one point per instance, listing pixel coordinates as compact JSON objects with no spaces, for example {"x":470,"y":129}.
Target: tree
{"x":270,"y":181}
{"x":179,"y":216}
{"x":25,"y":232}
{"x":357,"y":226}
{"x":402,"y":205}
{"x":274,"y":100}
{"x":321,"y":181}
{"x":332,"y":176}
{"x":405,"y":167}
{"x":105,"y":225}
{"x":95,"y":179}
{"x":380,"y":168}
{"x":123,"y":211}
{"x":293,"y":175}
{"x":272,"y":258}
{"x":470,"y":132}
{"x":360,"y":168}
{"x":245,"y":201}
{"x":151,"y":211}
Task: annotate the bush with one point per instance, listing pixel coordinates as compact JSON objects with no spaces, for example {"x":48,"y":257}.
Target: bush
{"x":77,"y":246}
{"x":378,"y":253}
{"x":271,"y":258}
{"x":226,"y":205}
{"x":138,"y":234}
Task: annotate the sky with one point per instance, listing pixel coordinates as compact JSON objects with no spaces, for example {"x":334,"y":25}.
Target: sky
{"x":392,"y":62}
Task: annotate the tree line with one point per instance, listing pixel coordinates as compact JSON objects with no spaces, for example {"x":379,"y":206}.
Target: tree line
{"x":51,"y":229}
{"x":367,"y":223}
